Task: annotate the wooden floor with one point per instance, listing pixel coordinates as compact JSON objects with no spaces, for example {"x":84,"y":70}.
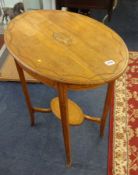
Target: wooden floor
{"x":8,"y":71}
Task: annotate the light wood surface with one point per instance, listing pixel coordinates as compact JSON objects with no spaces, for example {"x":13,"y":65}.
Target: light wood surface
{"x":76,"y":116}
{"x":75,"y":113}
{"x":66,"y":47}
{"x":66,"y":51}
{"x":8,"y":72}
{"x":93,"y":119}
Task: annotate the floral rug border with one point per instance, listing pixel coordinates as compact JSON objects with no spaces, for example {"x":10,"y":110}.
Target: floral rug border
{"x":119,"y":162}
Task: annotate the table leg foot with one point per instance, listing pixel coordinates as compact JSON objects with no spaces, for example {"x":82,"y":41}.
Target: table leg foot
{"x":69,"y":164}
{"x":32,"y":124}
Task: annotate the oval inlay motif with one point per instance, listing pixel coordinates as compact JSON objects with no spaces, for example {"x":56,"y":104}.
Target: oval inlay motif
{"x":62,"y":38}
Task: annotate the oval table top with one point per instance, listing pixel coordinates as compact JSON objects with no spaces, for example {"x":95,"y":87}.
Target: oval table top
{"x":66,"y":47}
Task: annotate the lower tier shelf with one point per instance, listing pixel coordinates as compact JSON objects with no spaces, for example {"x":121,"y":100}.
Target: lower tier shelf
{"x":76,"y":116}
{"x":75,"y":113}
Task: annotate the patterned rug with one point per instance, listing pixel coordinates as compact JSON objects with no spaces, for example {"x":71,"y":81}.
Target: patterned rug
{"x":123,"y":139}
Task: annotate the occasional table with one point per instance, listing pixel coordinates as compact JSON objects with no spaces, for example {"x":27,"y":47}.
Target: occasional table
{"x":66,"y":51}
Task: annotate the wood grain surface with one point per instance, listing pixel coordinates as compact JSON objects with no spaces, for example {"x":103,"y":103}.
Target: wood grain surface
{"x":75,"y":115}
{"x":66,"y":47}
{"x":8,"y":72}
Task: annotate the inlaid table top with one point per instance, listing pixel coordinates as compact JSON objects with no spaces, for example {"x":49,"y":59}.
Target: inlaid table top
{"x":66,"y":47}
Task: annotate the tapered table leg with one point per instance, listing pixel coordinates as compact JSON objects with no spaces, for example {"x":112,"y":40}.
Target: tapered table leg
{"x":26,"y":93}
{"x":63,"y":104}
{"x":106,"y":107}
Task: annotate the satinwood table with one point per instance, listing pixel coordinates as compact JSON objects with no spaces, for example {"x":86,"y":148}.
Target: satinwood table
{"x":66,"y":51}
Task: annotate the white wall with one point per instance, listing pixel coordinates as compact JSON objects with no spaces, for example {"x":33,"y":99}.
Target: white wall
{"x":10,"y":3}
{"x":49,"y":4}
{"x":32,"y":4}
